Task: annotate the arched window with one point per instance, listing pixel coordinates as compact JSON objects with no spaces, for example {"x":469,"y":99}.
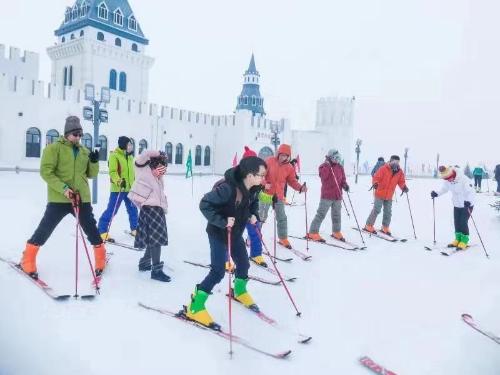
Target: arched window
{"x":265,"y":152}
{"x":82,"y":33}
{"x":143,"y":145}
{"x":118,"y":18}
{"x":33,"y":143}
{"x":133,"y":145}
{"x":178,"y":153}
{"x":118,"y":42}
{"x":206,"y":160}
{"x":168,"y":151}
{"x":103,"y":11}
{"x":112,"y":79}
{"x":70,"y":80}
{"x":197,"y":155}
{"x":65,"y":76}
{"x":123,"y":82}
{"x":100,"y":36}
{"x":87,"y":141}
{"x":63,"y":39}
{"x":103,"y":151}
{"x":51,"y":136}
{"x":132,"y":23}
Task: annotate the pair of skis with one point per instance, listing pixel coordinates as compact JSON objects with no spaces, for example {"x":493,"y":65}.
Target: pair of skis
{"x":44,"y":287}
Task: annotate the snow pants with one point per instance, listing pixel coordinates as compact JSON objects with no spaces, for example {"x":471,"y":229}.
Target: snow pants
{"x":218,"y":256}
{"x":324,"y":206}
{"x":53,"y":215}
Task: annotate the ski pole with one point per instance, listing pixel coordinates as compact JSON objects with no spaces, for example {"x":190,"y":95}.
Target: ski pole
{"x":76,"y":210}
{"x":114,"y":212}
{"x":305,"y":207}
{"x":411,"y":216}
{"x":74,"y":203}
{"x":278,"y":273}
{"x":434,"y":218}
{"x":477,"y":231}
{"x":340,"y":192}
{"x":355,"y":218}
{"x":230,"y":294}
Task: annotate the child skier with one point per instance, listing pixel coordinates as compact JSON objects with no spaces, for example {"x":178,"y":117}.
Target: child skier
{"x":148,"y":194}
{"x":463,"y":202}
{"x":231,"y":204}
{"x":384,"y":183}
{"x":333,"y":180}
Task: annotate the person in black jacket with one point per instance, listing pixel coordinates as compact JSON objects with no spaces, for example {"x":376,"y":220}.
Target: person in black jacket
{"x":228,"y":207}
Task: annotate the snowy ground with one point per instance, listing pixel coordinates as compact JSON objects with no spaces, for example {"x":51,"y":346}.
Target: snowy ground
{"x":397,"y":303}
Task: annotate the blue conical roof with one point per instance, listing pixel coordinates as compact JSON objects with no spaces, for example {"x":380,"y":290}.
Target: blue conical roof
{"x":90,"y":17}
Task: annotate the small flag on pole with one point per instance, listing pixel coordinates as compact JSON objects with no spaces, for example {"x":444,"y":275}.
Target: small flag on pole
{"x":189,"y":165}
{"x":235,"y":160}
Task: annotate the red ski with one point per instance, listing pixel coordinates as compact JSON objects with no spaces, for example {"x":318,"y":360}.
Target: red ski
{"x":374,"y":366}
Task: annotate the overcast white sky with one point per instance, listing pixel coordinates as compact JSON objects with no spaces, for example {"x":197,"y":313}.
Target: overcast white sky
{"x":425,"y":72}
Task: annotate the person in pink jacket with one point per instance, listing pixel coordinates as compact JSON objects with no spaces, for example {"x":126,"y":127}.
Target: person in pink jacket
{"x":148,"y":195}
{"x":333,"y":181}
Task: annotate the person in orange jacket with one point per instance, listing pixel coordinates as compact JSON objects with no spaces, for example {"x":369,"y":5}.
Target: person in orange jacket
{"x":384,"y":183}
{"x":279,"y":173}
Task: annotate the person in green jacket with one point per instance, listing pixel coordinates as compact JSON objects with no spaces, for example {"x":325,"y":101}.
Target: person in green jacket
{"x":66,"y":167}
{"x":122,"y":176}
{"x":478,"y":173}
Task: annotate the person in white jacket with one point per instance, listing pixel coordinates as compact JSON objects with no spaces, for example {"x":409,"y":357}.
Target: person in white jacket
{"x":463,"y":202}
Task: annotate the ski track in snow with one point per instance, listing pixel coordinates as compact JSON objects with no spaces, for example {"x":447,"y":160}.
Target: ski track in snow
{"x":397,"y":303}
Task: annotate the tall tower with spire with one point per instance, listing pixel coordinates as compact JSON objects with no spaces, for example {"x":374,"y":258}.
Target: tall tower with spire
{"x":250,"y":98}
{"x":101,"y":42}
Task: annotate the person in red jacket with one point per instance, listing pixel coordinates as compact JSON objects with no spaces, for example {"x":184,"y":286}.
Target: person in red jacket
{"x":333,"y":181}
{"x":384,"y":183}
{"x":279,"y":173}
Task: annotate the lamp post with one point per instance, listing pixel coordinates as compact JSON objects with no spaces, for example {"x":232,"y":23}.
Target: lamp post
{"x":406,"y":157}
{"x":276,"y":128}
{"x":358,"y":151}
{"x":96,"y":115}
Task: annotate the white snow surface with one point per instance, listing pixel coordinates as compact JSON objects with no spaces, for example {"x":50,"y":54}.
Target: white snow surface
{"x":397,"y":303}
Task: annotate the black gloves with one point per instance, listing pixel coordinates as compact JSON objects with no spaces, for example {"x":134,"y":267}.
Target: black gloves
{"x":346,"y":188}
{"x":434,"y":194}
{"x":94,"y":156}
{"x":467,"y":204}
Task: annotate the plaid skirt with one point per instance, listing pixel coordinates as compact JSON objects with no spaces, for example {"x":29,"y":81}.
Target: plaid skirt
{"x":152,"y":228}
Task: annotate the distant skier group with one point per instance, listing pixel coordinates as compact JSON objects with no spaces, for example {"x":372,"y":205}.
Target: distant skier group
{"x":239,"y":201}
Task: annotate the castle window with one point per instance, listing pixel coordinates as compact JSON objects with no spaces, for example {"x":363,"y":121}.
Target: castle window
{"x":123,"y":82}
{"x":197,"y":155}
{"x":207,"y":156}
{"x":143,"y":145}
{"x":100,"y":36}
{"x":132,"y":23}
{"x":118,"y":42}
{"x":102,"y":11}
{"x":178,"y":153}
{"x":134,"y":47}
{"x":112,"y":79}
{"x":87,"y":141}
{"x":118,"y":19}
{"x":103,"y":151}
{"x":168,"y":151}
{"x":51,"y":136}
{"x":33,"y":143}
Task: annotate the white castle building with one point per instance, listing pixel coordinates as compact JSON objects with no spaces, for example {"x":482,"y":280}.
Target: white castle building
{"x":101,"y":42}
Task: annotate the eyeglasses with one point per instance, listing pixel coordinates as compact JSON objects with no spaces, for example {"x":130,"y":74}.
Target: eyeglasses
{"x":76,"y":134}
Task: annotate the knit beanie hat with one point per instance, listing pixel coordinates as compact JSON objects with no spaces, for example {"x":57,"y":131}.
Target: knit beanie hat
{"x":248,"y":152}
{"x":72,"y":124}
{"x":123,"y":142}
